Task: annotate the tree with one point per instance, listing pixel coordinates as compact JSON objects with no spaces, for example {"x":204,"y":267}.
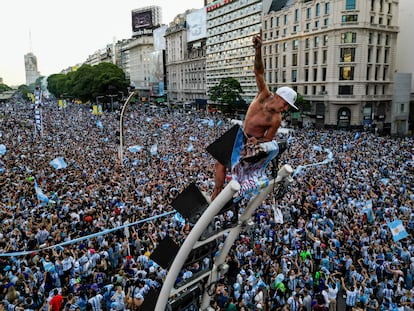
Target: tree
{"x":88,"y":82}
{"x":228,"y":92}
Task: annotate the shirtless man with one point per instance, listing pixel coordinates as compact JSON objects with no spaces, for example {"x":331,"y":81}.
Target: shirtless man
{"x":264,"y":116}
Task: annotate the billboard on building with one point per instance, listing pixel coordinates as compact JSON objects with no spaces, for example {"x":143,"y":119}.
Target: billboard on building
{"x":196,"y":25}
{"x":159,"y":39}
{"x":141,"y":20}
{"x":156,"y":73}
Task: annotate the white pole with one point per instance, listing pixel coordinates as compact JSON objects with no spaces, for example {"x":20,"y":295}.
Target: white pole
{"x":195,"y":233}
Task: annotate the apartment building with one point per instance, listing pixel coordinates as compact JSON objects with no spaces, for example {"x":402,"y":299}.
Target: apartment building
{"x":186,"y":57}
{"x":340,"y":55}
{"x":231,"y":25}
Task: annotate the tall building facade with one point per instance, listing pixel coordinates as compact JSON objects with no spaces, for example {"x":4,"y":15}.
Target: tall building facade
{"x":30,"y":66}
{"x":231,"y":25}
{"x":186,"y":57}
{"x":340,"y":55}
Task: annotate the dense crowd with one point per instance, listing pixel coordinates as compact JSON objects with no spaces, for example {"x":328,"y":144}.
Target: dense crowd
{"x":334,"y":239}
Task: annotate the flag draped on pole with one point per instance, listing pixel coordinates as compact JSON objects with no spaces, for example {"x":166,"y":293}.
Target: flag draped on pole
{"x":58,"y":163}
{"x":397,"y":229}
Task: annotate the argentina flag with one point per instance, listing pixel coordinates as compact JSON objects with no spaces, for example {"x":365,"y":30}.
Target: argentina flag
{"x":154,"y":149}
{"x":397,"y":229}
{"x":58,"y":163}
{"x":135,"y":148}
{"x":40,"y":195}
{"x":3,"y":149}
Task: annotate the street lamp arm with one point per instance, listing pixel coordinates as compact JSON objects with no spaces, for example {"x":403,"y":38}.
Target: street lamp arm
{"x":121,"y":125}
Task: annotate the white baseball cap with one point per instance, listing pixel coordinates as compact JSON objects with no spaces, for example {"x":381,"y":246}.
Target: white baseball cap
{"x":288,"y":94}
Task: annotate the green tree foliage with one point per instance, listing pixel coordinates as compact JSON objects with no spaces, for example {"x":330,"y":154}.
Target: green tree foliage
{"x":4,"y":87}
{"x":24,"y":90}
{"x":88,"y":82}
{"x":228,"y":92}
{"x":302,"y":104}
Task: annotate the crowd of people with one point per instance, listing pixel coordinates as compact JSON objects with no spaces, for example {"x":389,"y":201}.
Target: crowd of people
{"x":333,"y":238}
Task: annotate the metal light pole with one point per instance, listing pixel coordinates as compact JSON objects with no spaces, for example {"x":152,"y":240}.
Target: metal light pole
{"x":121,"y":126}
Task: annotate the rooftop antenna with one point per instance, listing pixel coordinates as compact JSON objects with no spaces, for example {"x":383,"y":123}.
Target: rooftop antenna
{"x":30,"y":41}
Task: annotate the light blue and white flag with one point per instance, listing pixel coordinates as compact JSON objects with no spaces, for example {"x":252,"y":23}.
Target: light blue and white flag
{"x":2,"y":149}
{"x":58,"y":163}
{"x":367,"y":210}
{"x":190,"y":148}
{"x":317,"y":148}
{"x":40,"y":195}
{"x":154,"y":149}
{"x":397,"y":229}
{"x":192,"y":138}
{"x":357,"y":135}
{"x":166,"y":126}
{"x":99,"y":124}
{"x":135,"y":148}
{"x":210,"y":123}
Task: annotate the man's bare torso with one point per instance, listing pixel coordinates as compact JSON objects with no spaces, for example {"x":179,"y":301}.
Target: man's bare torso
{"x":259,"y":119}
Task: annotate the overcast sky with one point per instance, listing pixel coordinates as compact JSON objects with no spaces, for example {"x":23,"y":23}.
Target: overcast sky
{"x":65,"y":33}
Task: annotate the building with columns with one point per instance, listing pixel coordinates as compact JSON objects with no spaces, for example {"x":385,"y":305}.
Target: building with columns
{"x":340,"y":55}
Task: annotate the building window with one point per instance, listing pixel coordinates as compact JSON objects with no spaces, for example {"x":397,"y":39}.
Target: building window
{"x":294,"y":59}
{"x":385,"y":74}
{"x":349,"y":18}
{"x":326,"y":22}
{"x":324,"y":56}
{"x":284,"y":61}
{"x":306,"y":58}
{"x":295,"y":28}
{"x":271,"y":22}
{"x":386,"y":53}
{"x":370,"y":35}
{"x":316,"y":24}
{"x":368,"y":73}
{"x":284,"y":46}
{"x":307,"y":43}
{"x":318,"y":10}
{"x":346,"y":73}
{"x":315,"y":74}
{"x":305,"y":90}
{"x":283,"y":76}
{"x":377,"y":68}
{"x":379,"y":39}
{"x":277,"y":21}
{"x":348,"y":37}
{"x":296,"y":15}
{"x":294,"y":75}
{"x":308,"y":13}
{"x":325,"y":40}
{"x":387,"y":40}
{"x":315,"y":57}
{"x":347,"y":55}
{"x":286,"y":19}
{"x":295,"y":44}
{"x":324,"y":74}
{"x":327,"y":8}
{"x":369,"y":54}
{"x":350,"y":5}
{"x":306,"y":75}
{"x":377,"y":59}
{"x":316,"y":41}
{"x":307,"y":26}
{"x":313,"y":89}
{"x":345,"y":89}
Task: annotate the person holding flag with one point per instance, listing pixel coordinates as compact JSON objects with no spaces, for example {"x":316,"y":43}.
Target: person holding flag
{"x":263,"y":118}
